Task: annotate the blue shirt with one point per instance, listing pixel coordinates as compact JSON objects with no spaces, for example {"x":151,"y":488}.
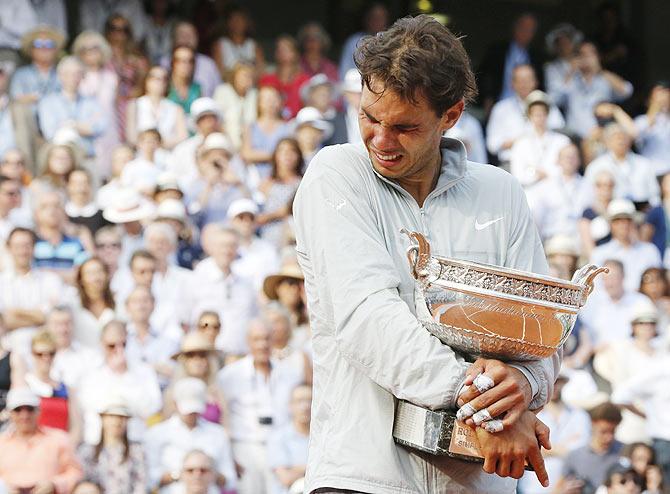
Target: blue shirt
{"x":56,"y":109}
{"x":516,"y":56}
{"x":29,"y":80}
{"x":656,"y":217}
{"x":65,"y":255}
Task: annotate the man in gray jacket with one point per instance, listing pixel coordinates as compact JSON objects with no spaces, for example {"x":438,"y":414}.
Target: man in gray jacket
{"x":369,"y":348}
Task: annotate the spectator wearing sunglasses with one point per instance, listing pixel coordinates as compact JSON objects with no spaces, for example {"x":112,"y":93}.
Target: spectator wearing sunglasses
{"x":196,"y":475}
{"x":42,"y":459}
{"x":135,"y":382}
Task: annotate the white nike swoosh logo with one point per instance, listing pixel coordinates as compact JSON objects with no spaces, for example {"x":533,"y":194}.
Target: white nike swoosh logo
{"x":481,"y":226}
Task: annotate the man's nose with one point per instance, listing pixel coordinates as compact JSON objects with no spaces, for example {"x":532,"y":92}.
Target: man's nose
{"x":384,"y":139}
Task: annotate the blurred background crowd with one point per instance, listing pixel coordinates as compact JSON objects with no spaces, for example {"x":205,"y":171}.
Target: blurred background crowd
{"x":154,"y":335}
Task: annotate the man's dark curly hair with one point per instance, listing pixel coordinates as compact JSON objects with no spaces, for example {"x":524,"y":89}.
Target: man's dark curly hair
{"x":418,"y":56}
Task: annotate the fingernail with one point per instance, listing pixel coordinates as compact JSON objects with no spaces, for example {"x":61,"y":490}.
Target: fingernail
{"x":464,"y":388}
{"x":460,"y":402}
{"x":545,"y":483}
{"x":465,"y":411}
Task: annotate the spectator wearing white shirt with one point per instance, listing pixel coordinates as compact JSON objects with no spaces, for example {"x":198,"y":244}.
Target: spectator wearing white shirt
{"x":469,"y":131}
{"x":534,"y":155}
{"x":140,"y":272}
{"x":257,"y":257}
{"x":557,"y":202}
{"x":168,"y":443}
{"x":636,"y":256}
{"x":286,"y":347}
{"x":653,"y":138}
{"x":287,"y":446}
{"x":215,"y":286}
{"x":508,"y":121}
{"x":634,"y":174}
{"x":146,"y":343}
{"x":608,"y":312}
{"x":142,"y":172}
{"x":257,"y":390}
{"x":135,"y":383}
{"x":95,"y":305}
{"x":26,"y":294}
{"x":197,"y":475}
{"x":72,"y":360}
{"x":10,"y":207}
{"x":586,"y":86}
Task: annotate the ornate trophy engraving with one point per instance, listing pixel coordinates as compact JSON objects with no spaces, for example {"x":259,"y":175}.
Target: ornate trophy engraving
{"x":484,"y":310}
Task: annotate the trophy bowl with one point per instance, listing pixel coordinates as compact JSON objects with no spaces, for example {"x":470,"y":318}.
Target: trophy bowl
{"x":485,"y":310}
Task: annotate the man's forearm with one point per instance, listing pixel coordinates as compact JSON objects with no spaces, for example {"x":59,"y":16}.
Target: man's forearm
{"x":23,"y":318}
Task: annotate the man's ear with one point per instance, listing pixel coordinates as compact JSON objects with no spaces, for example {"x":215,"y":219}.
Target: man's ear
{"x":451,"y":116}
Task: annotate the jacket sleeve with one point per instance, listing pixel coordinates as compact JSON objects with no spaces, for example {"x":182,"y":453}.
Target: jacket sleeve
{"x":525,"y":252}
{"x":352,"y":276}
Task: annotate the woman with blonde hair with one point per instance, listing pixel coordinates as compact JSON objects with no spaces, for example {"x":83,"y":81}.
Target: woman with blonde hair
{"x":239,"y":97}
{"x":101,"y":83}
{"x":197,"y":358}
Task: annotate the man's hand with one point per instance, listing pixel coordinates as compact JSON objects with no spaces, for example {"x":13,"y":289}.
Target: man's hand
{"x":44,"y":488}
{"x":507,"y":399}
{"x":505,"y":453}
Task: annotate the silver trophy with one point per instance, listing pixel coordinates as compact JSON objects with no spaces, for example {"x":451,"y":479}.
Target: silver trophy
{"x":484,"y":310}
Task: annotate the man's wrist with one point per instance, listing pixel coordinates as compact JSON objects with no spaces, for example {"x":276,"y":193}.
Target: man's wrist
{"x":534,"y":386}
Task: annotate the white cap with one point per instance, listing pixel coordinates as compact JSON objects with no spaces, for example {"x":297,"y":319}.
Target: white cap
{"x":620,"y":208}
{"x":204,"y":106}
{"x":644,"y":311}
{"x":128,"y":206}
{"x":536,"y":97}
{"x":240,"y":206}
{"x":115,"y":404}
{"x":561,"y":244}
{"x":171,"y":209}
{"x":167,"y":181}
{"x":217,"y":140}
{"x":190,"y":395}
{"x":22,"y":397}
{"x":352,"y":82}
{"x":313,"y":117}
{"x":315,"y":81}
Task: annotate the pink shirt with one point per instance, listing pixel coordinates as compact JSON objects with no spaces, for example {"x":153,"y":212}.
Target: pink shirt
{"x":47,"y":456}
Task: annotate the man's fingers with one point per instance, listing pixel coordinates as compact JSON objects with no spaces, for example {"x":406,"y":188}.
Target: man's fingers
{"x":517,"y":469}
{"x":490,"y":464}
{"x":497,"y":400}
{"x":512,"y":416}
{"x":542,"y":433}
{"x":503,"y":468}
{"x":537,"y":462}
{"x":477,"y":367}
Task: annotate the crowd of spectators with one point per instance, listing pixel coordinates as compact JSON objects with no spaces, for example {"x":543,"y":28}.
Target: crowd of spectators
{"x":154,"y":333}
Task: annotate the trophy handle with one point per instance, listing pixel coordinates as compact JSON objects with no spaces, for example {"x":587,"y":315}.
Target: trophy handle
{"x":418,"y":254}
{"x":586,"y":275}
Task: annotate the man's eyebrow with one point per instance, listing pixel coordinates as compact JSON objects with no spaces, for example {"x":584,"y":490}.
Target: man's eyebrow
{"x":401,"y":125}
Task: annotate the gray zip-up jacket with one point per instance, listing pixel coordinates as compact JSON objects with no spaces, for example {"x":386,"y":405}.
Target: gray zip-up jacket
{"x":369,"y":348}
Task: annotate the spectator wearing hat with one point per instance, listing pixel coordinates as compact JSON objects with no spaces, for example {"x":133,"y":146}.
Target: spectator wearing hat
{"x":624,"y":359}
{"x":320,"y":92}
{"x":72,"y":360}
{"x":534,"y":155}
{"x":286,"y":287}
{"x":561,"y":42}
{"x":287,"y":446}
{"x":167,"y":187}
{"x":58,"y":407}
{"x":469,"y":131}
{"x":218,"y":184}
{"x":128,"y":210}
{"x":257,"y":257}
{"x":116,"y":463}
{"x":587,"y":467}
{"x":42,"y":459}
{"x":197,"y":475}
{"x":279,"y":189}
{"x":649,"y":388}
{"x":81,"y":208}
{"x":240,"y":99}
{"x":653,"y":128}
{"x":635,"y":255}
{"x":101,"y":83}
{"x":586,"y":85}
{"x":558,"y":200}
{"x":168,"y":442}
{"x":312,"y":130}
{"x":216,"y":287}
{"x":237,"y":46}
{"x":153,"y":345}
{"x":508,"y":121}
{"x":198,"y":358}
{"x":33,"y":82}
{"x":315,"y":43}
{"x":288,"y":77}
{"x":607,"y":314}
{"x":261,"y":137}
{"x":70,"y":108}
{"x":135,"y":382}
{"x":257,"y":390}
{"x":206,"y":115}
{"x":570,"y":429}
{"x":345,"y":123}
{"x":634,"y":174}
{"x":57,"y":248}
{"x":153,"y":110}
{"x":26,"y":293}
{"x":562,"y":255}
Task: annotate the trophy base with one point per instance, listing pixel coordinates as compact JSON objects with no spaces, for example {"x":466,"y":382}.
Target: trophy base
{"x":435,"y":432}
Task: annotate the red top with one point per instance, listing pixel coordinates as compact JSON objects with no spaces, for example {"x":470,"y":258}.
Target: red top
{"x":54,"y":413}
{"x":290,"y":91}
